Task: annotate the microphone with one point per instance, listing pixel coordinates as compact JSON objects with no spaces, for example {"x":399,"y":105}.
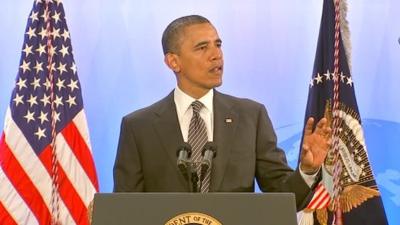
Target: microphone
{"x":183,"y":154}
{"x":209,"y":152}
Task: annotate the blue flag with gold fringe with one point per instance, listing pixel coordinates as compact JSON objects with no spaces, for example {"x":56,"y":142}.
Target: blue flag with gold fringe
{"x":358,"y":198}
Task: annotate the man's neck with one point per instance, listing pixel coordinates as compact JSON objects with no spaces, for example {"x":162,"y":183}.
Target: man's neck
{"x":195,"y":93}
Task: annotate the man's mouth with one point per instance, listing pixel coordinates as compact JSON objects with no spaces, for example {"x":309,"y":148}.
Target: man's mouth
{"x":217,"y":69}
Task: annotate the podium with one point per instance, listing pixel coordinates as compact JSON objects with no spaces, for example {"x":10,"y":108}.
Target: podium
{"x":194,"y":209}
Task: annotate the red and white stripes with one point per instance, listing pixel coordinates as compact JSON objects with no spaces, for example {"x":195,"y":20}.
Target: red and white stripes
{"x":26,"y":196}
{"x":321,"y":198}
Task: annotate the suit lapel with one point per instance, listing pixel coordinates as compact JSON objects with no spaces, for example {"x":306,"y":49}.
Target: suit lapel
{"x":225,"y":123}
{"x":167,"y":126}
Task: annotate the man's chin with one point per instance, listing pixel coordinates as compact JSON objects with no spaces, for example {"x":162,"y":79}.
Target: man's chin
{"x":216,"y":84}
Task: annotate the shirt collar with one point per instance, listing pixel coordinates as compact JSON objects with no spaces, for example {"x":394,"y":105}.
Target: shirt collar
{"x":183,"y":100}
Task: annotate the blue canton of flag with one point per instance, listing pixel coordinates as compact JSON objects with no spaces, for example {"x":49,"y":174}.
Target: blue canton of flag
{"x":359,"y":199}
{"x":47,"y":172}
{"x":30,"y":104}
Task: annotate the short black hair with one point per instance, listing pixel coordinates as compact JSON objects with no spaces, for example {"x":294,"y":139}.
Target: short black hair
{"x":174,"y":30}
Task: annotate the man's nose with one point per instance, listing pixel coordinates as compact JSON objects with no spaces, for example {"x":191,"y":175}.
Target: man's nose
{"x":216,"y":54}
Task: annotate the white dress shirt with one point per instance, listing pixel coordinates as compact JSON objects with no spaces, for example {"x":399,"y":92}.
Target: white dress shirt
{"x":185,"y":111}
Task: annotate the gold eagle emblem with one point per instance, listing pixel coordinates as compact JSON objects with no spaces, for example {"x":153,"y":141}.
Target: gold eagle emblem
{"x":351,"y":197}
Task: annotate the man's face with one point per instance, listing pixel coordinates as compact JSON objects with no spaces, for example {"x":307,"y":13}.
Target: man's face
{"x":199,"y":60}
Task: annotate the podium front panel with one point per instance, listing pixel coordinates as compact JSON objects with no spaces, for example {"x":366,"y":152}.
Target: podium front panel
{"x":194,"y":209}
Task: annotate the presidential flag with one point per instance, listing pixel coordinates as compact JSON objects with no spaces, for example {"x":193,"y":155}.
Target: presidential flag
{"x":47,"y":173}
{"x":348,"y":193}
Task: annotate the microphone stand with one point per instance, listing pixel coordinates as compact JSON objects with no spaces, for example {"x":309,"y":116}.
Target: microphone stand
{"x":193,"y":177}
{"x":209,"y":152}
{"x":187,"y":167}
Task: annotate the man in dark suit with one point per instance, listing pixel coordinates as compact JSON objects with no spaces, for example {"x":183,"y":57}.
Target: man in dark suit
{"x":146,"y":160}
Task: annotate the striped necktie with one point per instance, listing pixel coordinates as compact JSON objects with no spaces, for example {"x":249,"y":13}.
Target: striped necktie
{"x":197,"y":139}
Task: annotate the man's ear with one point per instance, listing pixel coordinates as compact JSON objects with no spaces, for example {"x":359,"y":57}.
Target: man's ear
{"x":172,"y":62}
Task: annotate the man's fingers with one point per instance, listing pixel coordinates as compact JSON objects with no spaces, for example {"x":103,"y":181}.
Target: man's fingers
{"x":322,"y":127}
{"x":327,"y":131}
{"x":329,"y":143}
{"x":305,"y":149}
{"x":309,"y":126}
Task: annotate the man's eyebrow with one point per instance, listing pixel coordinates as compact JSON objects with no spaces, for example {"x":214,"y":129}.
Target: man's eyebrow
{"x":201,"y":43}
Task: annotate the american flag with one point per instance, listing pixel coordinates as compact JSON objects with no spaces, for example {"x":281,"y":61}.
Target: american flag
{"x":355,"y":193}
{"x":47,"y":173}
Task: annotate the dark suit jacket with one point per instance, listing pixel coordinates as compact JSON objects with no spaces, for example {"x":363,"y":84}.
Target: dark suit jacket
{"x":149,"y":139}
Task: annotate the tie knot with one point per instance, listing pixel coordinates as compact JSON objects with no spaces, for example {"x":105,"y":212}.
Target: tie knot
{"x":197,"y":105}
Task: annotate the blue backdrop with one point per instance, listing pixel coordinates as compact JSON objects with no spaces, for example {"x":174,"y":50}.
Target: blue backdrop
{"x":269,"y":49}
